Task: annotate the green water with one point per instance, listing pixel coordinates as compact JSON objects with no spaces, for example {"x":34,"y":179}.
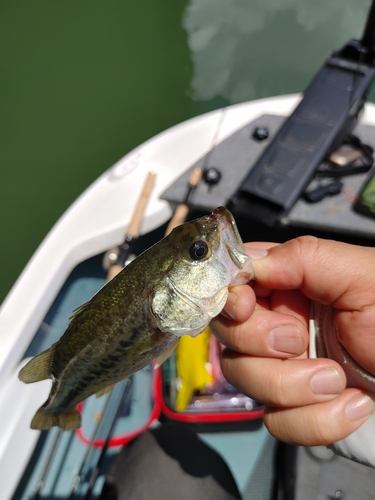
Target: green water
{"x":83,"y":82}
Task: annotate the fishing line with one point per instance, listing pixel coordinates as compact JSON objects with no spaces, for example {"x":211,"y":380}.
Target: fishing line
{"x":41,"y":482}
{"x":215,"y":137}
{"x":223,"y":111}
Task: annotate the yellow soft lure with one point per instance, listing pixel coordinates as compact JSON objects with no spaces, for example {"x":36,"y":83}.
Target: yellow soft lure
{"x":192,"y":361}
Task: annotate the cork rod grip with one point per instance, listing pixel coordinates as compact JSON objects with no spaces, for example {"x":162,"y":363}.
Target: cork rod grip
{"x":113,"y":271}
{"x":182,"y":210}
{"x":136,"y":220}
{"x":178,"y":217}
{"x":140,"y":207}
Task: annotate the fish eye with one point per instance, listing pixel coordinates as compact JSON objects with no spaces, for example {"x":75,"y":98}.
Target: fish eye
{"x":198,"y":250}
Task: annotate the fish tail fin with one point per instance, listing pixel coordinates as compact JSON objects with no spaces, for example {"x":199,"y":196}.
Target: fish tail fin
{"x":67,"y":421}
{"x":37,"y":368}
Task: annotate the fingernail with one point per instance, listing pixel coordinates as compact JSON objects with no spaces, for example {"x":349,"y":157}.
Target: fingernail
{"x":327,"y":381}
{"x":286,"y":338}
{"x":256,"y":253}
{"x":359,"y":406}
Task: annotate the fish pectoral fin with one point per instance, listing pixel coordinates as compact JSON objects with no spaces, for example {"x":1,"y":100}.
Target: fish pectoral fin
{"x":165,"y":355}
{"x":37,"y":368}
{"x":67,"y":421}
{"x":101,"y":393}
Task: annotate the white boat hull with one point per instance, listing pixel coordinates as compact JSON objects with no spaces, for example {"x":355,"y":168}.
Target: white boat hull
{"x":93,"y":224}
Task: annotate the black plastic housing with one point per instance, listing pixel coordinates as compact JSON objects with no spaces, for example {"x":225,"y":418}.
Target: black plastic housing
{"x":327,"y":113}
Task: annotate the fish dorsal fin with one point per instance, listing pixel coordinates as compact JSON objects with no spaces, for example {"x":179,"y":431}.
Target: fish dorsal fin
{"x":165,"y":355}
{"x":37,"y":368}
{"x":79,"y":310}
{"x":101,"y":393}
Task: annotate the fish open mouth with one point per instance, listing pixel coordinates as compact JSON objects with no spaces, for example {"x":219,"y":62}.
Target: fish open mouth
{"x":231,"y":238}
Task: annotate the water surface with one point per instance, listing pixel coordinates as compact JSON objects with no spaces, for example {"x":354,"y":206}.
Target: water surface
{"x":82,"y":83}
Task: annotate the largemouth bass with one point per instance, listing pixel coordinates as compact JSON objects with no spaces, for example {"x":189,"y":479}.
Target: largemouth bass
{"x":174,"y":288}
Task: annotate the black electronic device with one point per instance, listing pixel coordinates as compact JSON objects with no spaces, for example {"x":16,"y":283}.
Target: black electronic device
{"x":325,"y":116}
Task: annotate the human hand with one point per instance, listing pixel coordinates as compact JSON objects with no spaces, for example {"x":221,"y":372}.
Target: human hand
{"x":265,"y":326}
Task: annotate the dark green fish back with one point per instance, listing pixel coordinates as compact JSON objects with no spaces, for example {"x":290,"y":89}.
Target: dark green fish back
{"x":112,"y":333}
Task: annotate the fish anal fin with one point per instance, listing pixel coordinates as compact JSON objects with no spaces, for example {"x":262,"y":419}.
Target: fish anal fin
{"x":165,"y":355}
{"x":37,"y":368}
{"x":101,"y":393}
{"x":67,"y":421}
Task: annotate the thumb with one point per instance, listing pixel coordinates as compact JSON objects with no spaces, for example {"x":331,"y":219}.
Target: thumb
{"x":331,"y":273}
{"x":327,"y":271}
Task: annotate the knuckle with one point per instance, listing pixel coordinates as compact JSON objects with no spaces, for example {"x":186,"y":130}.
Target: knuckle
{"x":306,"y":246}
{"x":278,"y":394}
{"x":319,"y":430}
{"x":276,"y":424}
{"x":306,"y":243}
{"x":238,"y":339}
{"x":309,"y":429}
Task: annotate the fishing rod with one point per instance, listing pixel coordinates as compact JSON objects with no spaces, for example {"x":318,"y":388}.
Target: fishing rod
{"x":42,"y":480}
{"x":132,"y":232}
{"x":179,"y":216}
{"x":181,"y":211}
{"x":78,"y":479}
{"x":95,"y":472}
{"x":210,"y":175}
{"x":131,"y":236}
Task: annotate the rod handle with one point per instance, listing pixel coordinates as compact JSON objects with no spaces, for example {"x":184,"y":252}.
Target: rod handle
{"x":178,"y":217}
{"x":113,"y":271}
{"x":136,"y":220}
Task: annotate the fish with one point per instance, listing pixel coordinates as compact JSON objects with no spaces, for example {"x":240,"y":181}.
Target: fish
{"x":174,"y":288}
